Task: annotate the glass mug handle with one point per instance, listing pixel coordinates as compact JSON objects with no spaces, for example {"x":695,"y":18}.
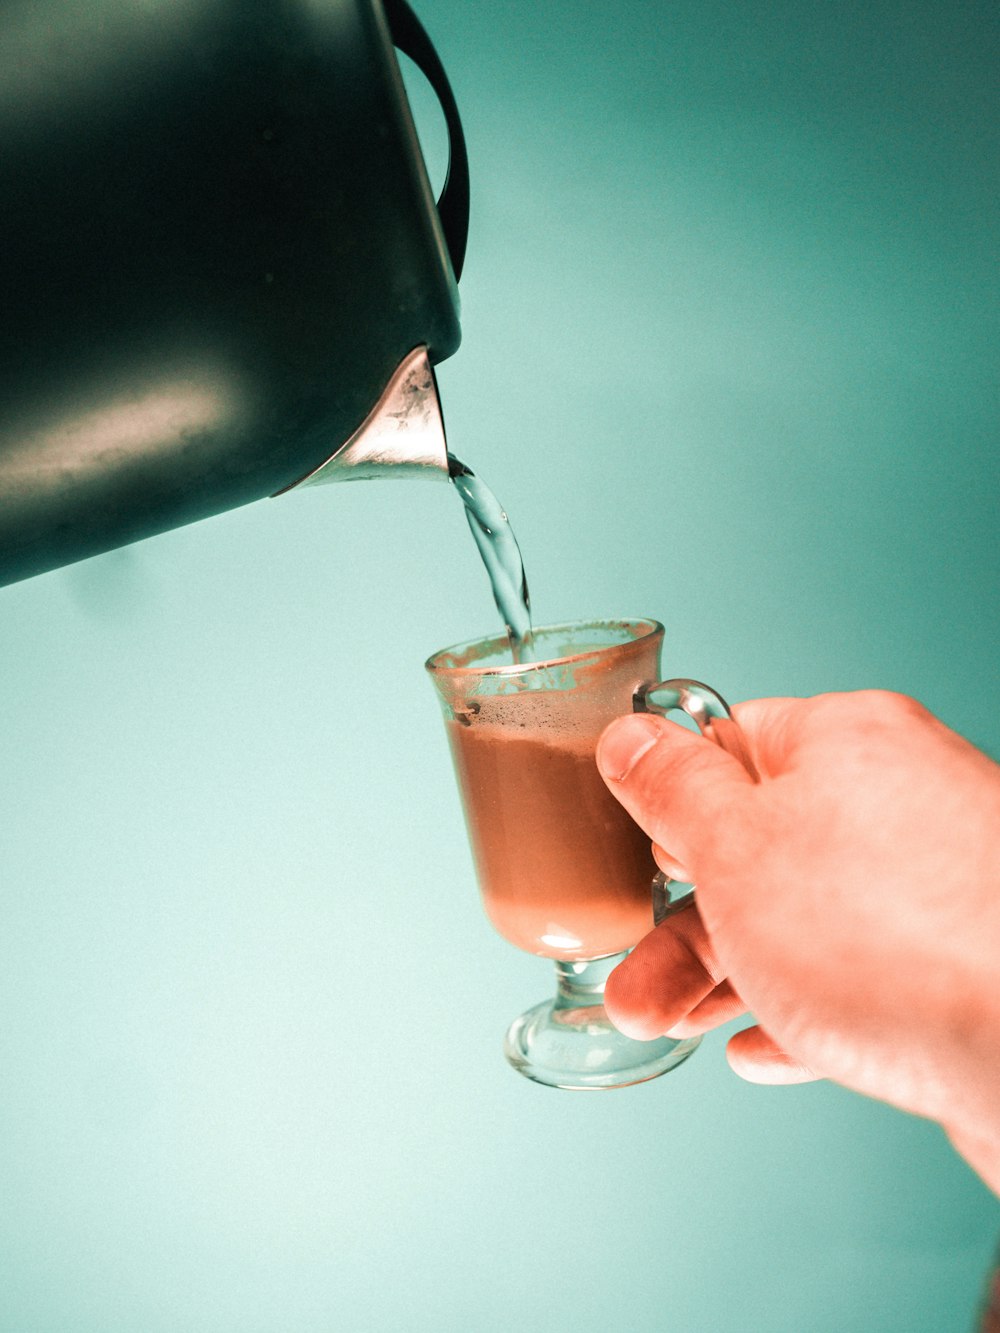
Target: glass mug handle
{"x":710,"y":713}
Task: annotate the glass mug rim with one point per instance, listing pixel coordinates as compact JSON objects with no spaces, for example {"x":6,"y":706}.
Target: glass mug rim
{"x":460,"y":658}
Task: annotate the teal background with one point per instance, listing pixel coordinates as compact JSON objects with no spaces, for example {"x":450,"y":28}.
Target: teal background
{"x":729,"y":360}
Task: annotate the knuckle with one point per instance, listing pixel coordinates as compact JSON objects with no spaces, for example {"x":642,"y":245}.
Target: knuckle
{"x":872,"y":708}
{"x":889,"y":707}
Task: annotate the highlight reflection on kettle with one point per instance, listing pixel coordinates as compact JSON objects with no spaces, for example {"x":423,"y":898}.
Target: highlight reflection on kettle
{"x":224,"y":273}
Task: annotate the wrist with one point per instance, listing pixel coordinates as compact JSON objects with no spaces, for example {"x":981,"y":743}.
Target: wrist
{"x":971,"y":1031}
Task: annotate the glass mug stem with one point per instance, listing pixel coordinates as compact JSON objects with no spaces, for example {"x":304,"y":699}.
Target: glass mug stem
{"x":581,"y":984}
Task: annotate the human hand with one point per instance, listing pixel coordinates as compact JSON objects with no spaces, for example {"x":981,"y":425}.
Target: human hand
{"x":850,"y":900}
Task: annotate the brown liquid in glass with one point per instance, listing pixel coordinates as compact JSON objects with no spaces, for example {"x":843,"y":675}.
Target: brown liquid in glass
{"x":563,"y":870}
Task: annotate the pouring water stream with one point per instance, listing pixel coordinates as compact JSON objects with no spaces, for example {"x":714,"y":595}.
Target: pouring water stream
{"x":501,"y":555}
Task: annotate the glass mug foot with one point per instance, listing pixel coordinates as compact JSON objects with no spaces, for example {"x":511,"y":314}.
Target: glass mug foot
{"x":569,"y":1042}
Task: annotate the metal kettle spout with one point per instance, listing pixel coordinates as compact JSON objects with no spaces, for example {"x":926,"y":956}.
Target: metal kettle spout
{"x":402,"y":436}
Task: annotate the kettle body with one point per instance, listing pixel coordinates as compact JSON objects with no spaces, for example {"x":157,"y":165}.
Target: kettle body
{"x":218,"y":246}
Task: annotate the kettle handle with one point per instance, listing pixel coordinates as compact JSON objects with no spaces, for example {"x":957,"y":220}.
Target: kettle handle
{"x":408,"y":36}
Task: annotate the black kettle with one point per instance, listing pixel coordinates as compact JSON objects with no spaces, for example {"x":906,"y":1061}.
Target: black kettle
{"x":223,"y":270}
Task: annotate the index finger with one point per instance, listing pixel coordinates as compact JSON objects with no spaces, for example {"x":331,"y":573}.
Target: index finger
{"x":668,"y":973}
{"x":772,"y":728}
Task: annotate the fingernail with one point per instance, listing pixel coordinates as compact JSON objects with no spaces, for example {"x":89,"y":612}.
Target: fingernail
{"x":624,"y":743}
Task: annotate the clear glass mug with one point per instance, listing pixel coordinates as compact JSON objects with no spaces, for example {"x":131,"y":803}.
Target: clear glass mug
{"x":564,"y":872}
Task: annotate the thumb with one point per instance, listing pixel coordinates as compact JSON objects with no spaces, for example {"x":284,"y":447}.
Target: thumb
{"x":676,"y":786}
